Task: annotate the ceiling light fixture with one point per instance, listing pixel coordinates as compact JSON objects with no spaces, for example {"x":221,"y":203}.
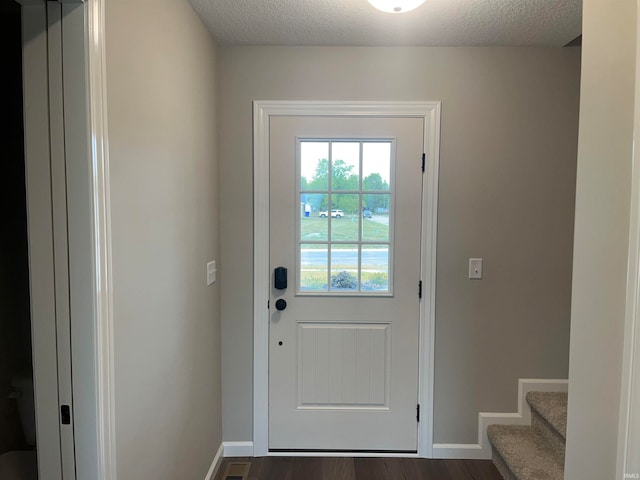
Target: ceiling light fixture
{"x":396,"y":6}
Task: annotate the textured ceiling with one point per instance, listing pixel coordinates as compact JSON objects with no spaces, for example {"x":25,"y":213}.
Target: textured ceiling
{"x":356,"y":22}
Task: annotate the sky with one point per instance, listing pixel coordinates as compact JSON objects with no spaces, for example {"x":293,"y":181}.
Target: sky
{"x":376,"y":157}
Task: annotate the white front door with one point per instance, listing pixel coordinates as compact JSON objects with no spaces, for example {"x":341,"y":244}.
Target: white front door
{"x":345,"y":222}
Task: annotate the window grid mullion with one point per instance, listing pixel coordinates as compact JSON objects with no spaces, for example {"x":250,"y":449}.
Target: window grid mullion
{"x":360,"y":220}
{"x":360,"y":192}
{"x":329,"y":217}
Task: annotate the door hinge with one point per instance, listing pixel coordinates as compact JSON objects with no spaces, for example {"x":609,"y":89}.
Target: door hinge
{"x":424,"y":157}
{"x":268,"y":304}
{"x":420,"y":289}
{"x":418,"y":412}
{"x":65,"y":414}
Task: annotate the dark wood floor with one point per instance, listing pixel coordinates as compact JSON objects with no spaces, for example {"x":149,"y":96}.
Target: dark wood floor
{"x":326,"y":468}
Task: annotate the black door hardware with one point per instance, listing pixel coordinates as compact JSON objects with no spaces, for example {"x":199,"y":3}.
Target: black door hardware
{"x":280,"y":278}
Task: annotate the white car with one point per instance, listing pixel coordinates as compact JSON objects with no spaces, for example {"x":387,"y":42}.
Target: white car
{"x":335,"y":213}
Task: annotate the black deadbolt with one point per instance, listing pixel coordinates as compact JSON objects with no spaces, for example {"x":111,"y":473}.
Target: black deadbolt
{"x":280,"y":278}
{"x":281,"y":304}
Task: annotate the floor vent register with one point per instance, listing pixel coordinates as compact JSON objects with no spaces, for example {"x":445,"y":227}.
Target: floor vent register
{"x":237,"y":471}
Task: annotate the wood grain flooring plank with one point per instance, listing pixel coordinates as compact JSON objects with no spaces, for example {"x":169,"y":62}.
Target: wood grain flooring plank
{"x":483,"y":469}
{"x":423,"y":469}
{"x":396,"y":468}
{"x":343,"y":468}
{"x":280,"y":468}
{"x":457,"y":470}
{"x":307,"y":468}
{"x":370,"y":469}
{"x":472,"y":470}
{"x":382,"y":468}
{"x":271,"y":468}
{"x":338,"y":468}
{"x":258,"y":468}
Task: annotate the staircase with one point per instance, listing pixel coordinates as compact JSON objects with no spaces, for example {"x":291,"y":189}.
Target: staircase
{"x":536,"y":451}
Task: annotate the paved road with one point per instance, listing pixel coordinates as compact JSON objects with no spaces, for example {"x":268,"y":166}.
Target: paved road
{"x":370,"y":257}
{"x":383,"y":219}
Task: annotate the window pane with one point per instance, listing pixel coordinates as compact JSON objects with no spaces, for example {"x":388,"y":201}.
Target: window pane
{"x":313,"y":225}
{"x":375,"y":217}
{"x":314,"y":165}
{"x":345,"y":166}
{"x":375,"y":268}
{"x":344,"y":217}
{"x":344,"y":268}
{"x":313,"y":268}
{"x":376,"y":166}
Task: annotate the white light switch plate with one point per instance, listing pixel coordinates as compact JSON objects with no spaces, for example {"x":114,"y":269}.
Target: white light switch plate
{"x":475,"y":268}
{"x":211,"y":273}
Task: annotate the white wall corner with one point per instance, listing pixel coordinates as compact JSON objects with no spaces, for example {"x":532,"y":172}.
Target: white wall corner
{"x":215,"y":465}
{"x":238,"y":449}
{"x":482,"y":449}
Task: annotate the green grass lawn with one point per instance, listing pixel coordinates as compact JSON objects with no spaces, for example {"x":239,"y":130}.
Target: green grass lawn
{"x":343,"y":229}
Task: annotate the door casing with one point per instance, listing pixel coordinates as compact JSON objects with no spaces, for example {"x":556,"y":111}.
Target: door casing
{"x":628,"y":458}
{"x":262,"y":112}
{"x":85,"y":156}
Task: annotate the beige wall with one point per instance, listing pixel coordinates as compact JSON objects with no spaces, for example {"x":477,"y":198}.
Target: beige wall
{"x":507,"y":183}
{"x":601,"y":237}
{"x":161,"y":85}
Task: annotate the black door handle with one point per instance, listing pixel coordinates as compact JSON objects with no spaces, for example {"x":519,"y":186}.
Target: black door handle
{"x":281,"y":304}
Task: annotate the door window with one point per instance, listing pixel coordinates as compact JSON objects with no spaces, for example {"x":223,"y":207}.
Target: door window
{"x":345,"y":222}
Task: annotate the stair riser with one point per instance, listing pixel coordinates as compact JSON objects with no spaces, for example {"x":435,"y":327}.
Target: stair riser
{"x":525,"y":452}
{"x":501,"y":466}
{"x":550,"y":434}
{"x":552,"y":406}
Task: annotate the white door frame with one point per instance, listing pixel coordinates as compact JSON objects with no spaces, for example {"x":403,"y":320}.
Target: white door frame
{"x":38,"y":176}
{"x":262,"y":112}
{"x":628,"y":458}
{"x":85,"y":155}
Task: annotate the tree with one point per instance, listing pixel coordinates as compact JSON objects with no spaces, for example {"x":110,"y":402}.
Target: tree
{"x":342,"y":178}
{"x":373,"y":201}
{"x":374,"y":182}
{"x":320,"y":180}
{"x":346,"y":202}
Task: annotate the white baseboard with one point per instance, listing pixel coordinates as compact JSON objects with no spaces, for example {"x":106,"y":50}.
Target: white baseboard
{"x":482,"y":449}
{"x":238,"y":449}
{"x":465,"y":451}
{"x":343,"y":454}
{"x":217,"y":460}
{"x":245,"y":449}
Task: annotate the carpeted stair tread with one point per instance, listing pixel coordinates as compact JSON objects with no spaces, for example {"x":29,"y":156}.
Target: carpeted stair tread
{"x":552,"y":406}
{"x":525,"y":451}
